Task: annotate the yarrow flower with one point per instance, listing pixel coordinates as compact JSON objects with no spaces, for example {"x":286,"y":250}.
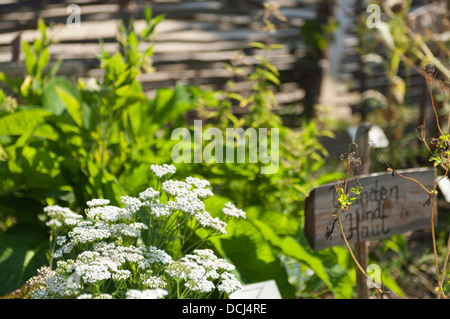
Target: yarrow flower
{"x":229,"y":283}
{"x":131,"y":204}
{"x":124,"y":248}
{"x":158,"y":209}
{"x":162,"y":170}
{"x":58,"y":216}
{"x":148,"y":194}
{"x":97,"y":202}
{"x":155,"y":282}
{"x":175,"y":188}
{"x":197,"y":182}
{"x":206,"y":220}
{"x":146,"y":294}
{"x":231,"y":210}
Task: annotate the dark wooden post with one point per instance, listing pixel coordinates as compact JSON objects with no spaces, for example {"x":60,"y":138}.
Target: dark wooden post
{"x":362,"y":248}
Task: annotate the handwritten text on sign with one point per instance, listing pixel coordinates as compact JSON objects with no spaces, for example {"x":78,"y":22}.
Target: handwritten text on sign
{"x":387,"y":206}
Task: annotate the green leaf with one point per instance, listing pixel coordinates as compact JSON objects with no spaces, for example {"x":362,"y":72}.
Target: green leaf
{"x":272,"y":78}
{"x":43,"y":59}
{"x":2,"y":98}
{"x":22,"y":121}
{"x":30,"y":59}
{"x":51,"y":99}
{"x":258,"y":45}
{"x":248,"y":249}
{"x":73,"y":106}
{"x":22,"y":252}
{"x":148,"y":14}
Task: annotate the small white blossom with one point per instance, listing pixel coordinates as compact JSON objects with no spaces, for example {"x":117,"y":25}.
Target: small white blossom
{"x":57,"y":286}
{"x":148,"y":194}
{"x":146,"y":294}
{"x":87,"y":257}
{"x":58,"y":216}
{"x":154,"y":254}
{"x":71,"y":221}
{"x":158,"y":209}
{"x":127,"y":230}
{"x":88,"y":234}
{"x":201,"y":285}
{"x":93,"y":273}
{"x":231,"y":210}
{"x":39,"y":293}
{"x":132,"y":204}
{"x":229,"y":283}
{"x":109,"y":214}
{"x":190,"y":204}
{"x":203,"y":193}
{"x":121,"y":275}
{"x":155,"y":282}
{"x":197,"y":182}
{"x":175,"y":188}
{"x":162,"y":170}
{"x":97,"y":202}
{"x":206,"y":220}
{"x":61,"y":240}
{"x":60,"y":213}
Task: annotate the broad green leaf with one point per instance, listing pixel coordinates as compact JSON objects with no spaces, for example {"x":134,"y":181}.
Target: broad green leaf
{"x":22,"y":121}
{"x":290,"y":247}
{"x":73,"y":106}
{"x":22,"y":252}
{"x":247,"y":248}
{"x":51,"y":99}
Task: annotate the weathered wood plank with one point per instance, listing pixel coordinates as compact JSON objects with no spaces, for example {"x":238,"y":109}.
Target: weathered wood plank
{"x":388,"y":205}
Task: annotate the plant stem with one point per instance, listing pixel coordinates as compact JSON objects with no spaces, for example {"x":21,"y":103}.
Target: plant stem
{"x":444,"y":267}
{"x":354,"y":258}
{"x":441,"y":291}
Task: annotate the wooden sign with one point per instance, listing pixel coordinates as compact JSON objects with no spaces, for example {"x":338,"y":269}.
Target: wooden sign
{"x":388,"y":205}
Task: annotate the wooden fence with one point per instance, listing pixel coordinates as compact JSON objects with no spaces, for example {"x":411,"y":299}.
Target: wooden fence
{"x":193,"y":41}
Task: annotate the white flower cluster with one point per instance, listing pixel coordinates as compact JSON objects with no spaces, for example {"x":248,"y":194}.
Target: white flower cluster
{"x":60,"y":216}
{"x":107,"y":248}
{"x":201,"y":269}
{"x":206,"y":220}
{"x":197,"y":182}
{"x":162,"y":170}
{"x":148,"y":194}
{"x":146,"y":294}
{"x":97,"y":202}
{"x":108,"y":214}
{"x":106,"y":261}
{"x":131,"y":204}
{"x":233,"y":211}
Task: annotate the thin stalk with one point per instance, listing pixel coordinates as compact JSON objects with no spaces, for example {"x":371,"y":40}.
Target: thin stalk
{"x":444,"y":267}
{"x":354,"y":258}
{"x":435,"y":248}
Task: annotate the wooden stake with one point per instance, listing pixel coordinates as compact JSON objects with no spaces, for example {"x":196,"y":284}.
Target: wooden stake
{"x":362,"y":248}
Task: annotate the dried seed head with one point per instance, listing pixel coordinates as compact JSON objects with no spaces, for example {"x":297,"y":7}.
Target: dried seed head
{"x":430,"y":69}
